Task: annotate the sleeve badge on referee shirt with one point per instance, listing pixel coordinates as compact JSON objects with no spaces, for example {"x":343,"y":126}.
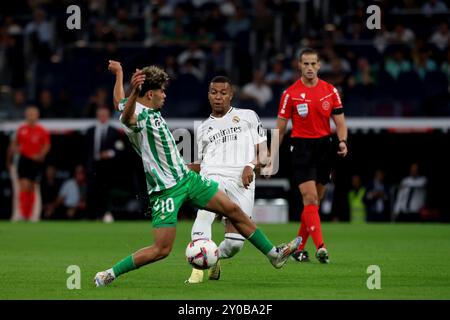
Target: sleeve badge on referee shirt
{"x":302,"y":109}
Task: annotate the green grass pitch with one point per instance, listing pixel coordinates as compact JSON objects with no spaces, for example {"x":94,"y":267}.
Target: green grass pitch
{"x":414,"y":260}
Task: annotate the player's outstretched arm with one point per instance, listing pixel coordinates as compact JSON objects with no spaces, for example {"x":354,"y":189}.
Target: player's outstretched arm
{"x":128,"y":117}
{"x":119,"y":92}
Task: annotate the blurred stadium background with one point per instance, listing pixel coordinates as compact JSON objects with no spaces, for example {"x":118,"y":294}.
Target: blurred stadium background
{"x":394,"y":83}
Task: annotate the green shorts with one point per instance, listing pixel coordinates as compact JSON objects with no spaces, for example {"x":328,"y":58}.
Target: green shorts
{"x":193,"y":189}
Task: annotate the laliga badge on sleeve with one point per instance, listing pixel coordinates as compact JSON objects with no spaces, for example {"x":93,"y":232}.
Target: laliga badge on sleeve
{"x":302,"y":109}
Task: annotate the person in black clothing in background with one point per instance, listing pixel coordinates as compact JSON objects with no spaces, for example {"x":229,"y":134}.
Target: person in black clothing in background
{"x":104,"y":144}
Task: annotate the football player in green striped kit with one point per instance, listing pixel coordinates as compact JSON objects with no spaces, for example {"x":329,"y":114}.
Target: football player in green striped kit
{"x":169,"y":181}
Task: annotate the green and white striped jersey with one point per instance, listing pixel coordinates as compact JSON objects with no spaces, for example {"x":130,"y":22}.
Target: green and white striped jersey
{"x":151,"y":139}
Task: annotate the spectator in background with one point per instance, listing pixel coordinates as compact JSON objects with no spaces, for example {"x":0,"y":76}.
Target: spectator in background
{"x":238,"y":23}
{"x":96,"y":101}
{"x":257,"y":91}
{"x":71,"y":200}
{"x":356,"y":200}
{"x":171,"y":66}
{"x":46,"y":105}
{"x":103,"y":145}
{"x":364,"y":75}
{"x":196,"y":56}
{"x":49,"y":189}
{"x":229,"y":7}
{"x":434,"y":7}
{"x":397,"y":64}
{"x":39,"y":35}
{"x":337,"y":75}
{"x":401,"y":35}
{"x":215,"y":22}
{"x":124,"y":28}
{"x":203,"y":36}
{"x":441,"y":37}
{"x":381,"y":38}
{"x":263,"y":24}
{"x":191,"y":68}
{"x":445,"y":67}
{"x":279,"y":75}
{"x":423,"y":63}
{"x":174,"y":29}
{"x":411,"y":196}
{"x":17,"y":106}
{"x":377,"y":198}
{"x":216,"y":59}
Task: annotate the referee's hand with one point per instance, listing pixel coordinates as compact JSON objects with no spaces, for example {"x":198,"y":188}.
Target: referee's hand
{"x":342,"y":149}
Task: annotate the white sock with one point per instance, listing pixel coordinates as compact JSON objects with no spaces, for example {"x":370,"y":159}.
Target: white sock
{"x":202,"y":225}
{"x":232,"y":244}
{"x":111,"y":272}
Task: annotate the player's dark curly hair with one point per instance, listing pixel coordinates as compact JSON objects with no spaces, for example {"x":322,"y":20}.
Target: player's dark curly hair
{"x":155,"y":78}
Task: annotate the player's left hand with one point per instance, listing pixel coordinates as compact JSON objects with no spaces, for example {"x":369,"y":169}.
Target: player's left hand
{"x":342,"y":149}
{"x":247,"y":176}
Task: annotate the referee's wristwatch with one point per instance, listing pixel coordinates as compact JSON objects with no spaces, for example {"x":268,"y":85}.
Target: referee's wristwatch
{"x":344,"y":141}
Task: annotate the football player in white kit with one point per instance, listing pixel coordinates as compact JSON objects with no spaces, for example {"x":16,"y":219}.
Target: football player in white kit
{"x":231,"y":143}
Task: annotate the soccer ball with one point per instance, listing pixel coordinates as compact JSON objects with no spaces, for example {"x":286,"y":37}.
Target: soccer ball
{"x":202,"y":254}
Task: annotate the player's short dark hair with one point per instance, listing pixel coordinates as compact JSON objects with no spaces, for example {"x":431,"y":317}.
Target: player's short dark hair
{"x":221,"y":79}
{"x":308,"y":51}
{"x":155,"y":78}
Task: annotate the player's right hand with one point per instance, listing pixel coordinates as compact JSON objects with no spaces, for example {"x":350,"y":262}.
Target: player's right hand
{"x":115,"y":67}
{"x":137,"y":80}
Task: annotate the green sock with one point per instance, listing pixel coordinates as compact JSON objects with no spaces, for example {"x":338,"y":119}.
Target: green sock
{"x":260,"y":241}
{"x":124,"y":266}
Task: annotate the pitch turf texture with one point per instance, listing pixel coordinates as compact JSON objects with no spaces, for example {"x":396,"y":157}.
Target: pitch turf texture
{"x":414,"y":261}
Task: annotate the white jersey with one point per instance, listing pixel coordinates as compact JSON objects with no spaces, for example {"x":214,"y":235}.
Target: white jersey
{"x":227,"y":144}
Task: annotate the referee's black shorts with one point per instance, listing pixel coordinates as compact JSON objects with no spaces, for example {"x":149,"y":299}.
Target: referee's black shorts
{"x":312,"y":159}
{"x":29,"y":169}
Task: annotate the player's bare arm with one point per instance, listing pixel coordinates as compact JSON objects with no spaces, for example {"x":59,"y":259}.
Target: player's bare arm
{"x":341,"y":132}
{"x":118,"y":93}
{"x":128,"y":117}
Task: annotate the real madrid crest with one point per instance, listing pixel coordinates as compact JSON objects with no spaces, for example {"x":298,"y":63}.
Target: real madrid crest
{"x":236,"y":119}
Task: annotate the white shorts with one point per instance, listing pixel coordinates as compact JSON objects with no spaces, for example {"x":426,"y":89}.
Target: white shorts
{"x":244,"y":198}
